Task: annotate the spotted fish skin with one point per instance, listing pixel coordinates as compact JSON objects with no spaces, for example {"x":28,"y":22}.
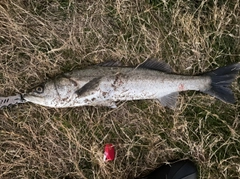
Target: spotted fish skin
{"x":104,"y":84}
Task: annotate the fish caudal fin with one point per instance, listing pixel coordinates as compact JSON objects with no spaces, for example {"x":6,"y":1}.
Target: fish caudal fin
{"x":221,"y":80}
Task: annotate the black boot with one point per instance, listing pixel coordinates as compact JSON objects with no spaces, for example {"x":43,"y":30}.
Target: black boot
{"x":184,"y":169}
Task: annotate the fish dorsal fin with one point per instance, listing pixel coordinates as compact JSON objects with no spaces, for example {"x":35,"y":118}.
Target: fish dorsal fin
{"x":110,"y":63}
{"x":169,"y":100}
{"x":153,"y":64}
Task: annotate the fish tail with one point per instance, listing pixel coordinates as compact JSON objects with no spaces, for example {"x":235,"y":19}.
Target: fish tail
{"x":221,"y":80}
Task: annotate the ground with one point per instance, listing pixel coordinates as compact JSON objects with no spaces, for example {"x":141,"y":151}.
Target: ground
{"x":40,"y":39}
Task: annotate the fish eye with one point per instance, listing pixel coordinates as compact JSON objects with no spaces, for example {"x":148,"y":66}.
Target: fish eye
{"x":39,"y":89}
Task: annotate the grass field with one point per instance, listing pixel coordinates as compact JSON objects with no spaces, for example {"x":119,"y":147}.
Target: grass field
{"x":42,"y":38}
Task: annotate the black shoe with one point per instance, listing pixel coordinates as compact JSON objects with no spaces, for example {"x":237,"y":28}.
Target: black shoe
{"x":184,"y":169}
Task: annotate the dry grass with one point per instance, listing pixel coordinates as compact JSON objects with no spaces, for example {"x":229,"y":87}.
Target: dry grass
{"x":42,"y":38}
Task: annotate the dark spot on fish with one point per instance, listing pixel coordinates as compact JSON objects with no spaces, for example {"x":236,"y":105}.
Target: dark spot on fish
{"x":86,"y":100}
{"x":93,"y":99}
{"x":64,"y":99}
{"x":118,"y":80}
{"x":104,"y":94}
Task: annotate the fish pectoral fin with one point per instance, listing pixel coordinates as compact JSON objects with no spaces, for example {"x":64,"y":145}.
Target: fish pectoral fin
{"x":89,"y":87}
{"x":169,"y":100}
{"x":153,"y":64}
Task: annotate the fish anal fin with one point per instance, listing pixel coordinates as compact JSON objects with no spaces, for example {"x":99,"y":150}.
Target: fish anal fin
{"x":169,"y":100}
{"x":89,"y":87}
{"x":111,"y":104}
{"x":153,"y":64}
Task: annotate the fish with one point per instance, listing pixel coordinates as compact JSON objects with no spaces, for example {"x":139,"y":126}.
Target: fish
{"x":107,"y":83}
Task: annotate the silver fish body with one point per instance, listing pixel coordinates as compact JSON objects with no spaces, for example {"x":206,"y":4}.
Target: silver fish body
{"x":104,"y":85}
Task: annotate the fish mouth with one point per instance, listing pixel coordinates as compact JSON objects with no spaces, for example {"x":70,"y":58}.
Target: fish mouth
{"x":25,"y":97}
{"x":21,"y":96}
{"x":30,"y":97}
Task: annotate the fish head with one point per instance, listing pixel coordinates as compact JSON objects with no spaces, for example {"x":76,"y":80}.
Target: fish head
{"x":43,"y":94}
